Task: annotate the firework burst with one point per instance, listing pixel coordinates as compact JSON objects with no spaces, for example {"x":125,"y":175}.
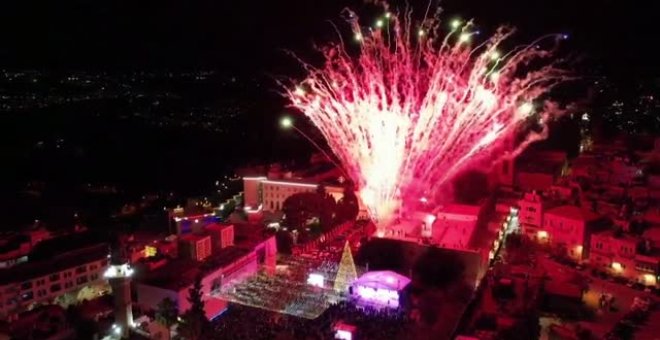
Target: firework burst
{"x":416,"y":106}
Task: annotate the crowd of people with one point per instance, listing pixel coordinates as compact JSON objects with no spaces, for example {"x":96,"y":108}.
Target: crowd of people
{"x":241,"y":322}
{"x":279,"y":293}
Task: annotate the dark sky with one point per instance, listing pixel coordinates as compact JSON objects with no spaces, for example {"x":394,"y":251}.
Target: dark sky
{"x":622,"y":36}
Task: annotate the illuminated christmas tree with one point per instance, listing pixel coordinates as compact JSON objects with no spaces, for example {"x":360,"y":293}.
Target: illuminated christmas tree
{"x":347,"y":272}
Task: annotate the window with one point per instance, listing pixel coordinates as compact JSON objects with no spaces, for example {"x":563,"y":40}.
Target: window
{"x":27,"y":296}
{"x":41,"y":293}
{"x":26,"y":285}
{"x":104,"y":263}
{"x":55,"y":288}
{"x":82,"y":279}
{"x":54,"y":277}
{"x":81,"y":269}
{"x":94,"y":276}
{"x":92,"y":267}
{"x":68,"y":284}
{"x":41,"y":282}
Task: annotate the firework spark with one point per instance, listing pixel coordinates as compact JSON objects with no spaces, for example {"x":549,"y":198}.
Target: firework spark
{"x":416,"y":107}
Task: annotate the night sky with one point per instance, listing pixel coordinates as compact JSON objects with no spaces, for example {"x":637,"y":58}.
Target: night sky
{"x":619,"y":36}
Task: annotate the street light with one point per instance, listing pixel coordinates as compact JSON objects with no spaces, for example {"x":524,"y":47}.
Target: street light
{"x":287,"y":123}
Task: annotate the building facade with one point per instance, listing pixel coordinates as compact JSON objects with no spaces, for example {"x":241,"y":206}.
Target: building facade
{"x":175,"y":279}
{"x":222,"y":235}
{"x":198,"y":247}
{"x":569,"y":228}
{"x":269,"y":195}
{"x":28,"y":284}
{"x":530,"y":215}
{"x":624,"y":255}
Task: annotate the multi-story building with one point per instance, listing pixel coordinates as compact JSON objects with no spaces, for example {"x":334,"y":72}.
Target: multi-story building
{"x":14,"y":250}
{"x":624,"y":255}
{"x":222,"y":235}
{"x":540,"y":170}
{"x":198,"y":247}
{"x":530,"y":214}
{"x":569,"y":228}
{"x":455,"y":224}
{"x":262,"y":193}
{"x":49,"y":275}
{"x":174,"y":279}
{"x":275,"y":192}
{"x":615,"y":251}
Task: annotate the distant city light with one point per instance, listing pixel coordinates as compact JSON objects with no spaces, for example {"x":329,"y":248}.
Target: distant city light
{"x":455,"y":23}
{"x":379,"y":23}
{"x":358,"y":37}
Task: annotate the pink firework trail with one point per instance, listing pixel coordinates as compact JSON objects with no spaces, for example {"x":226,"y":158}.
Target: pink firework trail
{"x":415,"y":108}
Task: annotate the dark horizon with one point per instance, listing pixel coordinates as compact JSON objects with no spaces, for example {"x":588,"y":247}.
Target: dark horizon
{"x":249,"y":37}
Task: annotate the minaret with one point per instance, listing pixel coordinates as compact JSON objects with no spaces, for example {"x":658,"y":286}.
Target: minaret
{"x":119,"y":275}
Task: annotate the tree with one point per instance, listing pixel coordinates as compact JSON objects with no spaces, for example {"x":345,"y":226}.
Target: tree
{"x":167,"y":313}
{"x":428,"y":272}
{"x":284,"y":242}
{"x":85,"y":328}
{"x":228,"y":208}
{"x":526,"y":328}
{"x":300,"y":207}
{"x":346,"y":273}
{"x":195,"y":325}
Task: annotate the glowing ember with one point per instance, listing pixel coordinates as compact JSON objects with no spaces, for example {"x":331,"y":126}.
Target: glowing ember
{"x":414,"y":108}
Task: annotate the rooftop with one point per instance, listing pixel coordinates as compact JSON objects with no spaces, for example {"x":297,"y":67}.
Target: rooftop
{"x":573,"y":212}
{"x":194,"y":237}
{"x":460,"y":209}
{"x":386,"y":279}
{"x":218,"y":226}
{"x":620,"y":235}
{"x":58,"y":262}
{"x":652,"y":233}
{"x":181,"y":273}
{"x":248,"y":235}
